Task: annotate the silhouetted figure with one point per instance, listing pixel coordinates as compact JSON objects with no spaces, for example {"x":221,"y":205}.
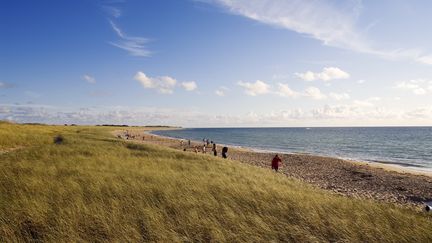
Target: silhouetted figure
{"x":224,"y":152}
{"x":189,"y":143}
{"x":275,"y":163}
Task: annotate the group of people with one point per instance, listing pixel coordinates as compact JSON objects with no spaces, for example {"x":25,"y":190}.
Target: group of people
{"x":203,"y":148}
{"x":275,"y":163}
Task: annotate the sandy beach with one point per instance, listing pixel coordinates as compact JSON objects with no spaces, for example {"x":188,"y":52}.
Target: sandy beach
{"x":350,"y":178}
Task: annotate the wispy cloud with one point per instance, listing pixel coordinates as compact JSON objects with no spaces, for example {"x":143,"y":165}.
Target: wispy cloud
{"x":4,"y":85}
{"x":89,"y":78}
{"x":112,"y":11}
{"x":327,"y":74}
{"x":322,"y":20}
{"x":135,"y":46}
{"x":32,"y":94}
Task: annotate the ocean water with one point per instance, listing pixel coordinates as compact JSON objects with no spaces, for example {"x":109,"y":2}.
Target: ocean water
{"x":404,"y":146}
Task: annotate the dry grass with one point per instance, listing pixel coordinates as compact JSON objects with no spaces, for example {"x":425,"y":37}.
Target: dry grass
{"x":96,"y":188}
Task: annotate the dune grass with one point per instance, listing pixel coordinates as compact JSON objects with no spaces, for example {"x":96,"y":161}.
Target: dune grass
{"x":97,"y":188}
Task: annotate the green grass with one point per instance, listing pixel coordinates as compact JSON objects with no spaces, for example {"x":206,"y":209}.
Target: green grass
{"x":97,"y":188}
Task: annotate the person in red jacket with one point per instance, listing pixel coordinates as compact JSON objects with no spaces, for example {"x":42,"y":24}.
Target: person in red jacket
{"x":275,"y":163}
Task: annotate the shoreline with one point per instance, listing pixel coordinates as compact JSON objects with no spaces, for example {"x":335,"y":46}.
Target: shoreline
{"x":343,"y":177}
{"x":386,"y":165}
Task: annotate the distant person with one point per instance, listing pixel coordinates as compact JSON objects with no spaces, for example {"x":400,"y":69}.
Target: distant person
{"x":275,"y":163}
{"x":214,"y":146}
{"x":204,"y":149}
{"x":224,"y":152}
{"x":214,"y":152}
{"x":189,"y":143}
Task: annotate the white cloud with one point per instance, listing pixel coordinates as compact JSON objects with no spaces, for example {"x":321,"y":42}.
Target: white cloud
{"x":369,"y":102}
{"x":135,"y":46}
{"x":257,"y":88}
{"x":332,"y":24}
{"x":164,"y":84}
{"x":339,"y":96}
{"x":112,"y":11}
{"x":189,"y":86}
{"x":322,"y":115}
{"x":89,"y":78}
{"x":361,"y":81}
{"x":285,"y":91}
{"x":221,"y":91}
{"x":416,"y":86}
{"x":314,"y":93}
{"x":327,"y":74}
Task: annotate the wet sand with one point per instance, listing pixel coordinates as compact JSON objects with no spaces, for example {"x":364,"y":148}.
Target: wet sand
{"x":354,"y":179}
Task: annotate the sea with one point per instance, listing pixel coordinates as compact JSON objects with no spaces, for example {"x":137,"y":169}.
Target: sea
{"x":402,"y":146}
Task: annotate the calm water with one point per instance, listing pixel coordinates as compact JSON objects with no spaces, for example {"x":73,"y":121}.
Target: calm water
{"x":405,"y":146}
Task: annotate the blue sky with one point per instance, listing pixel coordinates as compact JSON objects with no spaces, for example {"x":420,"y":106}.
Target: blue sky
{"x":204,"y":63}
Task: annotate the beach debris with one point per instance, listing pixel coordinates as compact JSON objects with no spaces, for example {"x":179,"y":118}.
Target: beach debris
{"x":58,"y":139}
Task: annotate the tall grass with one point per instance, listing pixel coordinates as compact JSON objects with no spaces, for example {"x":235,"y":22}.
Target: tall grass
{"x":94,"y":187}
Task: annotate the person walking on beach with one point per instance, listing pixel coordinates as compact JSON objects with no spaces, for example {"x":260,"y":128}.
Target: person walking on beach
{"x":204,"y":149}
{"x":275,"y":163}
{"x":224,"y":152}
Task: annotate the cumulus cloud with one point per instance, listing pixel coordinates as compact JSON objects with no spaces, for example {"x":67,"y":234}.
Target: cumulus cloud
{"x":339,"y":96}
{"x":285,"y":91}
{"x":189,"y":86}
{"x":314,"y":93}
{"x":416,"y":86}
{"x":135,"y":46}
{"x":221,"y":91}
{"x":327,"y":74}
{"x":332,"y":24}
{"x":89,"y":79}
{"x":164,"y":84}
{"x":254,"y":89}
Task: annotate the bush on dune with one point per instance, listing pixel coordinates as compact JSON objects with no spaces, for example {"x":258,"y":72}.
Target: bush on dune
{"x":97,"y":188}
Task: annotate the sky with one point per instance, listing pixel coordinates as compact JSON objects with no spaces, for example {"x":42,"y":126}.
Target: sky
{"x":217,"y":63}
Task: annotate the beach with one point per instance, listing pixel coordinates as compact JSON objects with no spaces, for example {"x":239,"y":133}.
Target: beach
{"x":357,"y":179}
